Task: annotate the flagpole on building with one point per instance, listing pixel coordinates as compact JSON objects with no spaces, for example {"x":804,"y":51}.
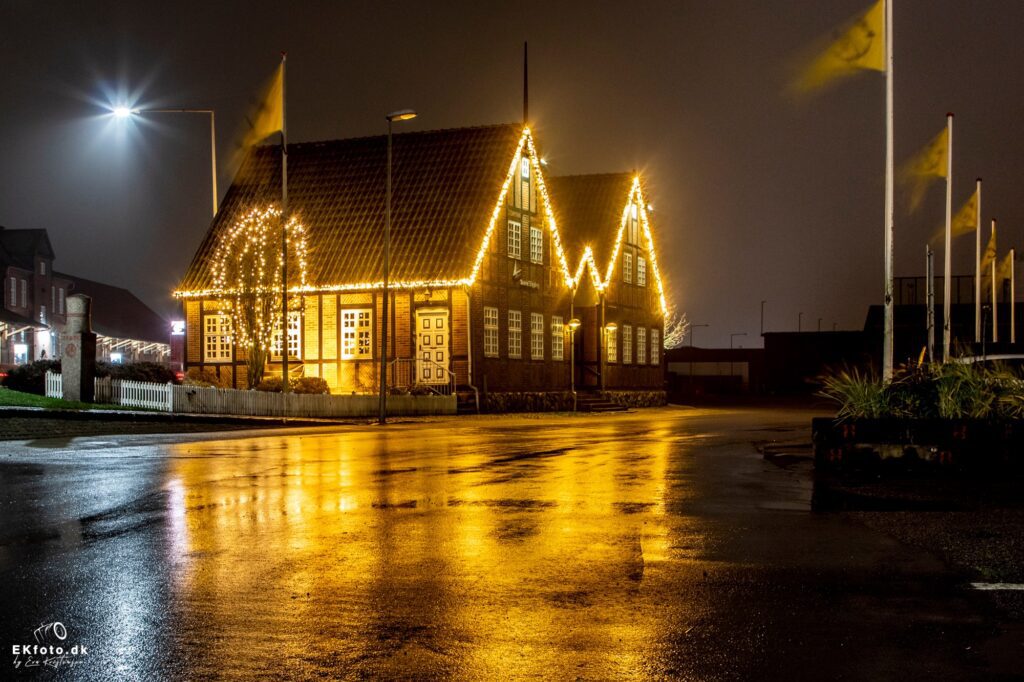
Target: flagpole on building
{"x":977,"y":264}
{"x":887,"y":341}
{"x":929,"y":270}
{"x":947,"y":284}
{"x":284,"y":233}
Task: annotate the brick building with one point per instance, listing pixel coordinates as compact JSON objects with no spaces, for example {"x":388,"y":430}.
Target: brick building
{"x":482,"y":282}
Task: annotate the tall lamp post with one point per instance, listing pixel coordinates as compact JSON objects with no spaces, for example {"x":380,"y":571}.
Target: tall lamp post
{"x":762,"y":317}
{"x":574,"y":324}
{"x":125,"y":112}
{"x":400,"y":115}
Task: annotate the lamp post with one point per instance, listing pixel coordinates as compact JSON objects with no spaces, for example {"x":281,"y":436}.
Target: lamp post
{"x":799,"y":321}
{"x":400,"y":115}
{"x":819,"y":325}
{"x":762,"y":317}
{"x":125,"y":112}
{"x":574,"y":324}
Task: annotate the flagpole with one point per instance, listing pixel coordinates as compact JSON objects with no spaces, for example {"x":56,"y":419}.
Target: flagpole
{"x":887,"y":340}
{"x":977,"y":265}
{"x":947,"y":284}
{"x":285,"y":387}
{"x":929,"y":270}
{"x":995,"y":307}
{"x":1013,"y":295}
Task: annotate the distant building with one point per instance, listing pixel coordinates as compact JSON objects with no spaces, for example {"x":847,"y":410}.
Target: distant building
{"x":34,"y":299}
{"x":485,"y":264}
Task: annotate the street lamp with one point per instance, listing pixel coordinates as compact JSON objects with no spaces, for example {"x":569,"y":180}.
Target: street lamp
{"x":574,"y":324}
{"x":127,"y":112}
{"x":400,"y":115}
{"x":762,"y":317}
{"x":799,"y":321}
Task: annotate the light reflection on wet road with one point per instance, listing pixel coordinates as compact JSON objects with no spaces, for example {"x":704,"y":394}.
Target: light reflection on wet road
{"x":653,"y":544}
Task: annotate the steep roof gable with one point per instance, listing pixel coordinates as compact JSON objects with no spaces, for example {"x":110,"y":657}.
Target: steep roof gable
{"x":445,"y":187}
{"x":592,"y":211}
{"x":21,"y":246}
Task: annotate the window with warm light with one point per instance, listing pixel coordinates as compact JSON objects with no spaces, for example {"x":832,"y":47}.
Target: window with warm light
{"x":655,"y":347}
{"x":216,"y":338}
{"x":611,"y":338}
{"x":557,"y":338}
{"x":294,"y":336}
{"x":627,"y":268}
{"x":515,"y":239}
{"x":641,"y":345}
{"x":524,"y":168}
{"x":515,"y":334}
{"x":536,"y":245}
{"x":641,"y":272}
{"x":627,"y":344}
{"x":490,"y":332}
{"x":536,"y":336}
{"x":356,"y":335}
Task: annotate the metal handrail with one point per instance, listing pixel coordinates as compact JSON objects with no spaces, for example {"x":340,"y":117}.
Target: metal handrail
{"x":440,"y":388}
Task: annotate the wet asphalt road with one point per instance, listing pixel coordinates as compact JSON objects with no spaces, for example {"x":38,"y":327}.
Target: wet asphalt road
{"x":656,"y":544}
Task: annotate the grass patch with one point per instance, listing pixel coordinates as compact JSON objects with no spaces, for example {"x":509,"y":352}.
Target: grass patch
{"x":9,"y":398}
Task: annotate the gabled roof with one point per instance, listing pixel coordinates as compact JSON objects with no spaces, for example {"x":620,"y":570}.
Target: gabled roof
{"x":589,"y":210}
{"x":116,"y":312}
{"x":592,"y":211}
{"x":19,"y":247}
{"x":445,"y":185}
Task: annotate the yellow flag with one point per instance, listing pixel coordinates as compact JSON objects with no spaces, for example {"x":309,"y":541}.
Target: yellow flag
{"x":964,"y":221}
{"x":1005,"y":267}
{"x":928,"y":164}
{"x":268,"y":118}
{"x":990,"y":253}
{"x":857,"y":46}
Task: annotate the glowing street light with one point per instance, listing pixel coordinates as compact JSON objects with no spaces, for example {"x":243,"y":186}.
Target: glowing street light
{"x":400,"y":115}
{"x":124,"y":112}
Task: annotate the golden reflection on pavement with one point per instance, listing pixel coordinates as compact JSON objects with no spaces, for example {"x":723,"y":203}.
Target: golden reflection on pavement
{"x":526,"y":549}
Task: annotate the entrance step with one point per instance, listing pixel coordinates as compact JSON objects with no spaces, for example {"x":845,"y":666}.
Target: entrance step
{"x":593,"y":402}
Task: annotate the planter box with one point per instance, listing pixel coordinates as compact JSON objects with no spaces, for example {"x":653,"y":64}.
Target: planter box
{"x":893,"y":446}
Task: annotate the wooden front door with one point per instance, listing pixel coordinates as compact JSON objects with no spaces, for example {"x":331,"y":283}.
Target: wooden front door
{"x":432,"y":346}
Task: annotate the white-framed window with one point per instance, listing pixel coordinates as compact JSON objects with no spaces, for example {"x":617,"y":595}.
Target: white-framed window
{"x":60,"y":300}
{"x":655,"y":347}
{"x":42,"y":314}
{"x":641,"y":271}
{"x":627,"y":344}
{"x":557,"y":338}
{"x":294,"y":336}
{"x":641,"y":345}
{"x":490,"y":332}
{"x":515,"y":239}
{"x":611,"y":340}
{"x":536,"y":245}
{"x":356,"y":334}
{"x":627,"y":268}
{"x":515,"y":334}
{"x":24,"y":294}
{"x":632,"y":236}
{"x":536,"y":336}
{"x":14,"y":292}
{"x":42,"y":268}
{"x":524,"y":168}
{"x":216,"y":338}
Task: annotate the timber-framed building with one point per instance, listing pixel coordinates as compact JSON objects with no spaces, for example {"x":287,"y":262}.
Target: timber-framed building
{"x":489,"y":260}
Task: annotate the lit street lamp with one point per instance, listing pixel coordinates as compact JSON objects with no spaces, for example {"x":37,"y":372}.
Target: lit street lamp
{"x":401,"y":115}
{"x":126,"y":112}
{"x":574,"y":324}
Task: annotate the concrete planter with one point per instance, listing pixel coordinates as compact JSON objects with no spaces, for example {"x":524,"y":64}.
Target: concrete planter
{"x":896,"y":446}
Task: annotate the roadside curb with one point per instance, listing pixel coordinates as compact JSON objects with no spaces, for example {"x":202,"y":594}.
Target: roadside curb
{"x":169,"y":417}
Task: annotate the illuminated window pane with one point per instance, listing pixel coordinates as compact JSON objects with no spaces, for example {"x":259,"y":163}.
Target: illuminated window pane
{"x":491,"y":332}
{"x":515,"y":334}
{"x":515,"y":236}
{"x":641,"y":345}
{"x":536,"y":336}
{"x":627,"y":344}
{"x":536,"y":245}
{"x":557,"y":338}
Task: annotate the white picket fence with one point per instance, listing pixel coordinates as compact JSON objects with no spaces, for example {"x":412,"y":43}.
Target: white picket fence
{"x":209,"y":400}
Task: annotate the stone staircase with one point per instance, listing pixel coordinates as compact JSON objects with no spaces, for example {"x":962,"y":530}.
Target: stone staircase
{"x":591,"y":401}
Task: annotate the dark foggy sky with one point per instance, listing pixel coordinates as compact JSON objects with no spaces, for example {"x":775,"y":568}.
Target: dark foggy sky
{"x":756,"y":196}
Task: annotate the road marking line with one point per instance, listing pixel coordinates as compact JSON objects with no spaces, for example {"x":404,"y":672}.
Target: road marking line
{"x":998,"y":586}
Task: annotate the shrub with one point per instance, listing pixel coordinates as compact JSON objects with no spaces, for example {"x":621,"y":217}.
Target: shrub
{"x":137,"y":371}
{"x":31,"y":377}
{"x":270,"y":385}
{"x":860,"y":396}
{"x":310,"y":385}
{"x":202,"y":377}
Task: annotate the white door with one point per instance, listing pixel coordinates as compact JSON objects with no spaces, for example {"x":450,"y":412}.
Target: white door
{"x":432,"y":346}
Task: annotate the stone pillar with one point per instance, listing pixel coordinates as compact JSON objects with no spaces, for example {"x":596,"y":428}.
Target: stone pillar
{"x":78,"y":361}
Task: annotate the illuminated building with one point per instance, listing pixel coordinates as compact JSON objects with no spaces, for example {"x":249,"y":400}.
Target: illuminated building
{"x":481,"y":282}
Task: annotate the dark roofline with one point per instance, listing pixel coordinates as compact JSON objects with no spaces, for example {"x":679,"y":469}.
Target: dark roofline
{"x":412,"y":133}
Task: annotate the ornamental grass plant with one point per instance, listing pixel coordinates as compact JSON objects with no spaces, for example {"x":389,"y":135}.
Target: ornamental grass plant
{"x":952,"y":390}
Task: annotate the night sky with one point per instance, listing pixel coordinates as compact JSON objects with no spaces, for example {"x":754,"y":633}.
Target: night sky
{"x":756,"y":195}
